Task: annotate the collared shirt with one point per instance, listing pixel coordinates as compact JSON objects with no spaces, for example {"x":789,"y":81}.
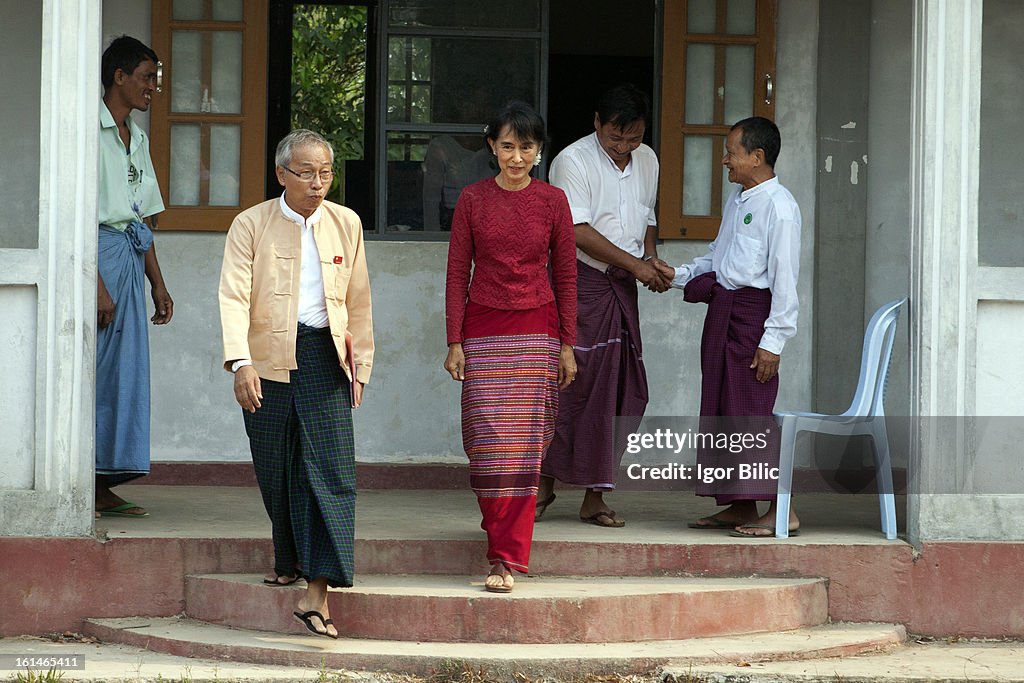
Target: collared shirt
{"x":312,"y":305}
{"x":758,"y":245}
{"x":128,"y":189}
{"x":619,"y":204}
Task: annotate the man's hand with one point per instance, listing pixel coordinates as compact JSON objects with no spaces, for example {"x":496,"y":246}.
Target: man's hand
{"x":665,"y":270}
{"x":652,"y":277}
{"x":766,"y":363}
{"x":248,"y":392}
{"x":163,"y":304}
{"x":105,"y":306}
{"x":566,"y":367}
{"x":455,"y":363}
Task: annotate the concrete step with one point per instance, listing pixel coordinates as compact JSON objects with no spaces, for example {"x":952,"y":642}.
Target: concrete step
{"x":192,"y":638}
{"x":436,"y":608}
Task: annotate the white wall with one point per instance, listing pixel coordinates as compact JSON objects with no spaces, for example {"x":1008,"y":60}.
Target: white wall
{"x":412,"y":408}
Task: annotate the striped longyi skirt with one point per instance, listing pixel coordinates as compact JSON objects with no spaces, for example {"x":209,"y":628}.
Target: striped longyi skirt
{"x":509,"y":405}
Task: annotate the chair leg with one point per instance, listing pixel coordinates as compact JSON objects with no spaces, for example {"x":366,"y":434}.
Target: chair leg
{"x":883,"y":469}
{"x":787,"y":448}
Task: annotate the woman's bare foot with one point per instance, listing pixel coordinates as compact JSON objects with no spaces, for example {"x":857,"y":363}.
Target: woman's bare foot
{"x":500,"y":579}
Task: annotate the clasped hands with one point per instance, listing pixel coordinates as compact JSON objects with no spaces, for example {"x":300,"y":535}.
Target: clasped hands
{"x":655,"y":274}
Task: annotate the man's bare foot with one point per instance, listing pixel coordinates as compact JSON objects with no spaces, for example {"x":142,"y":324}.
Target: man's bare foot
{"x":739,"y":513}
{"x":109,"y":502}
{"x":275,"y":579}
{"x":315,"y":600}
{"x":595,"y":511}
{"x":764,"y":526}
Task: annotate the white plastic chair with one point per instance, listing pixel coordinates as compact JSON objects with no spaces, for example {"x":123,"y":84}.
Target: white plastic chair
{"x":865,"y":416}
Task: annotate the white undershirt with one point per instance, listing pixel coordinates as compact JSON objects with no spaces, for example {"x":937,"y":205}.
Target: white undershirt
{"x":312,"y":305}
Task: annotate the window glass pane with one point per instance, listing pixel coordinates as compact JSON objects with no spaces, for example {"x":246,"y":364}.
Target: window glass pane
{"x":741,"y":17}
{"x":419,"y":57}
{"x":405,"y":155}
{"x":466,"y":14}
{"x":1000,"y":200}
{"x":227,"y":10}
{"x":195,"y":10}
{"x":409,"y":68}
{"x":739,"y":83}
{"x":700,"y":16}
{"x":186,"y":58}
{"x":700,"y":83}
{"x":226,"y":67}
{"x":397,"y":67}
{"x":420,"y":101}
{"x":466,"y":84}
{"x":450,"y":163}
{"x":225,"y":150}
{"x":697,"y":153}
{"x":21,"y":25}
{"x":207,"y":71}
{"x":396,"y":104}
{"x":188,"y":10}
{"x":185,"y":165}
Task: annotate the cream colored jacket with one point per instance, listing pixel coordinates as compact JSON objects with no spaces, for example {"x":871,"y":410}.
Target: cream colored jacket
{"x":259,"y":288}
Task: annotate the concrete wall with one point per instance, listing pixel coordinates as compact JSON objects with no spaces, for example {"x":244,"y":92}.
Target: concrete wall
{"x":412,"y":412}
{"x":843,"y":36}
{"x":863,"y":246}
{"x":887,"y":247}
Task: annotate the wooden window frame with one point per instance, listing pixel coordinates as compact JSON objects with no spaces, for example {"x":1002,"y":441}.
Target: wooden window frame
{"x":672,"y":222}
{"x":252,"y":119}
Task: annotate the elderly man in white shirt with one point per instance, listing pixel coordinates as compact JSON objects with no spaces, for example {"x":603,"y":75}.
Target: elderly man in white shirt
{"x":749,"y":280}
{"x":611,"y":180}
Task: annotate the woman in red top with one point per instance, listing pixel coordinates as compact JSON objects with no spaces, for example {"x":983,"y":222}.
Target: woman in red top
{"x":510,"y":332}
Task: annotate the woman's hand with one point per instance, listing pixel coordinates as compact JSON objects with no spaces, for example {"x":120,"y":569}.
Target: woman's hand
{"x":455,"y":363}
{"x":357,"y":394}
{"x":566,"y":367}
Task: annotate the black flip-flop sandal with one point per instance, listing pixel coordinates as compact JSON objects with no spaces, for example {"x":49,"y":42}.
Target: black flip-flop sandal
{"x":307,"y":619}
{"x":277,"y":581}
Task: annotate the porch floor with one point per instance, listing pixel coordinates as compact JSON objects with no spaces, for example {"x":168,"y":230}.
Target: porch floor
{"x":452,"y":515}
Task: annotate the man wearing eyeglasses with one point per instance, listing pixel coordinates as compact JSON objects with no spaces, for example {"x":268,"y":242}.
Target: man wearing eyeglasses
{"x":129,"y":198}
{"x":298,"y":336}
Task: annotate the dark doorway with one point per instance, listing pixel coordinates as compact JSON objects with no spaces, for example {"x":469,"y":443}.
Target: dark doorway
{"x":593,"y":45}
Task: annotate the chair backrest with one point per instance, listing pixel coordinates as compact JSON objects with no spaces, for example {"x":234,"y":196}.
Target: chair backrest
{"x":874,"y":360}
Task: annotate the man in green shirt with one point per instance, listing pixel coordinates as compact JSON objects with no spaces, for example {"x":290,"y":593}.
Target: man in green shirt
{"x":129,"y":198}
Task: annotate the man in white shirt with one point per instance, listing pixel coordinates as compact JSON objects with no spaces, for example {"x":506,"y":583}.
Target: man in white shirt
{"x":611,"y":180}
{"x":749,"y":280}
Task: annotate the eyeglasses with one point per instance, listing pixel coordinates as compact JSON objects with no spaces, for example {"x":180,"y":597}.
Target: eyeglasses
{"x":326,"y":176}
